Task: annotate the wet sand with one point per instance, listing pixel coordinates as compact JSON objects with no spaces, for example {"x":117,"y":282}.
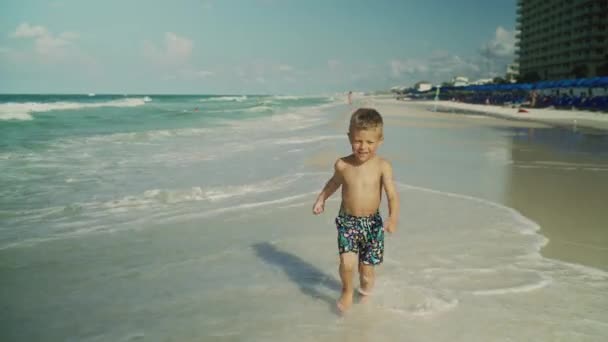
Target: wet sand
{"x":554,"y":176}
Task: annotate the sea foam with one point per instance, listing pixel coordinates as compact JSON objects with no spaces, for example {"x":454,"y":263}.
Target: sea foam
{"x":22,"y":111}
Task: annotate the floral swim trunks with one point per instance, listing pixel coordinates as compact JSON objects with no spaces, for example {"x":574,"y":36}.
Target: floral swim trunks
{"x":363,"y":235}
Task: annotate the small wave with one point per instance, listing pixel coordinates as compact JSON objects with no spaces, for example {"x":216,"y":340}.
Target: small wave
{"x":225,"y":98}
{"x":22,"y":111}
{"x":160,"y":196}
{"x":420,"y":302}
{"x":515,"y":289}
{"x":15,"y":116}
{"x":239,"y":207}
{"x":526,"y":226}
{"x":286,"y":97}
{"x":137,"y":136}
{"x":258,"y":109}
{"x":306,"y":140}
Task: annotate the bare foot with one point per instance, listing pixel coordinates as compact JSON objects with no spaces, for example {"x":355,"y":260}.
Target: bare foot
{"x":345,"y":301}
{"x":364,"y":295}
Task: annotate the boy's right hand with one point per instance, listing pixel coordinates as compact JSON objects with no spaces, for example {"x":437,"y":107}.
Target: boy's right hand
{"x":318,"y":207}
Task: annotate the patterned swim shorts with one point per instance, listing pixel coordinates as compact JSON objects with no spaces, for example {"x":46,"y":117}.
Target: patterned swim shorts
{"x":363,"y":235}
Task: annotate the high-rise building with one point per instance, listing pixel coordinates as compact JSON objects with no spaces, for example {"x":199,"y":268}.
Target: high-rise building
{"x":560,"y":39}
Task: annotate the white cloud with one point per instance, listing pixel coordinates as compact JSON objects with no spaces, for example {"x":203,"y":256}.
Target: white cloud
{"x":266,"y":72}
{"x":408,"y":66}
{"x":193,"y":74}
{"x":175,"y":51}
{"x":490,"y":61}
{"x":50,"y":47}
{"x":25,"y":30}
{"x":438,"y":67}
{"x":502,"y":45}
{"x":284,"y":68}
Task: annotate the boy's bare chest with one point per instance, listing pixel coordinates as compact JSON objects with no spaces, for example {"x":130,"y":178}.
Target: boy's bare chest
{"x":362,"y":177}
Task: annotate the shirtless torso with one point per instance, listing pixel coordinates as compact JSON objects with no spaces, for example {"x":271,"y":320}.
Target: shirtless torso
{"x":361,"y":185}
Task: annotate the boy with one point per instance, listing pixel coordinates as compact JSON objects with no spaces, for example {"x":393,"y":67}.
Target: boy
{"x":362,"y":175}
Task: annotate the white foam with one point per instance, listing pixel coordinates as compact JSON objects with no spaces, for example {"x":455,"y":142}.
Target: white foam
{"x":138,"y":136}
{"x":413,"y":301}
{"x":259,"y":109}
{"x":212,"y":194}
{"x":306,"y":140}
{"x":22,"y":110}
{"x":286,"y":97}
{"x":244,"y":206}
{"x":225,"y":98}
{"x":289,"y":121}
{"x":21,"y":116}
{"x":527,"y":226}
{"x":516,"y":289}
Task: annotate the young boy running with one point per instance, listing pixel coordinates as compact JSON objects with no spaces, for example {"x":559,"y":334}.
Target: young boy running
{"x":362,"y":176}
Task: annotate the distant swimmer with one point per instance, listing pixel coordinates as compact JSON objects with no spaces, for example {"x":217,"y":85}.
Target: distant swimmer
{"x":350,"y":97}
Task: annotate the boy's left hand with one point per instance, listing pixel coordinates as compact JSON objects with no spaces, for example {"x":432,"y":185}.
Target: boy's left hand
{"x":390,"y":226}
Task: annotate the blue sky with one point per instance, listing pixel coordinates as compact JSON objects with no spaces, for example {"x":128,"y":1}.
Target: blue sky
{"x":248,"y":46}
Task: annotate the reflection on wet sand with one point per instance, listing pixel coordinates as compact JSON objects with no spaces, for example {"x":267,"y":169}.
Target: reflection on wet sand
{"x":559,"y":178}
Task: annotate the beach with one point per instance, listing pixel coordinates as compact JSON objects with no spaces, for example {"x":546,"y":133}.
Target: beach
{"x":566,"y":118}
{"x":554,"y":173}
{"x":188,"y":218}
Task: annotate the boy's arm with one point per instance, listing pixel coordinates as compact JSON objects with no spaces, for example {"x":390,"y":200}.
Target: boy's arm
{"x":391,"y":195}
{"x":330,"y":187}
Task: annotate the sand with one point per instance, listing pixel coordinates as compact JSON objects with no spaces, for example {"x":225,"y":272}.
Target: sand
{"x":555,"y":176}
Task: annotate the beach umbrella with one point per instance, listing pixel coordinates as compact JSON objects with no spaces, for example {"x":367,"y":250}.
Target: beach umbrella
{"x":524,"y":86}
{"x":567,"y":83}
{"x":552,"y":84}
{"x":601,"y":81}
{"x":587,"y":82}
{"x":542,"y":85}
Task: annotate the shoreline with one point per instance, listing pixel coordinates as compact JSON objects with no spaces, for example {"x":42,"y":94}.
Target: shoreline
{"x":532,"y":174}
{"x":569,"y":119}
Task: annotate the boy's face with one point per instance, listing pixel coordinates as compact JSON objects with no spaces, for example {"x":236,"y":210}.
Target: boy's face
{"x":365,"y":142}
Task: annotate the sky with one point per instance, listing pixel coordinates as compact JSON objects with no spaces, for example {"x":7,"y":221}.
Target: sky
{"x":249,"y":46}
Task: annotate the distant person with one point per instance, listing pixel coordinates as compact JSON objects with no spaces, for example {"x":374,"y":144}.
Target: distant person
{"x":533,"y":98}
{"x":350,"y":98}
{"x":362,"y":176}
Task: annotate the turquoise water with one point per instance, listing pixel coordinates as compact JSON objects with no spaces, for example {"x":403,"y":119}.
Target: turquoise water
{"x":70,"y":162}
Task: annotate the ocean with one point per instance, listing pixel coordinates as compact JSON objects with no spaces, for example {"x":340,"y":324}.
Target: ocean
{"x":188,"y":218}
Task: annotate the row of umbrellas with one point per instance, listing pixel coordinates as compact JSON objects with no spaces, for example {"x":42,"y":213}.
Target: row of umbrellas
{"x":591,"y":82}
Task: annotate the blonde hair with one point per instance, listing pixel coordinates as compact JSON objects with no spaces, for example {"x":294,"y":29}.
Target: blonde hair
{"x":365,"y":118}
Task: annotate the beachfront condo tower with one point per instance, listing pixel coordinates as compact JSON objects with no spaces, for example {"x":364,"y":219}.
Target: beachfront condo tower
{"x":561,"y":39}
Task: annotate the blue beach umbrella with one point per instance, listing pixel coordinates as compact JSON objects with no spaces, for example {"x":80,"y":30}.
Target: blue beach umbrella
{"x":601,"y":81}
{"x":567,"y":83}
{"x":542,"y":85}
{"x":587,"y":82}
{"x":524,"y":86}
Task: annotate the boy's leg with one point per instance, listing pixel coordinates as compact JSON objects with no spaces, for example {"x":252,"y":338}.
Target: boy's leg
{"x":371,"y":254}
{"x":367,"y":278}
{"x":348,"y":262}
